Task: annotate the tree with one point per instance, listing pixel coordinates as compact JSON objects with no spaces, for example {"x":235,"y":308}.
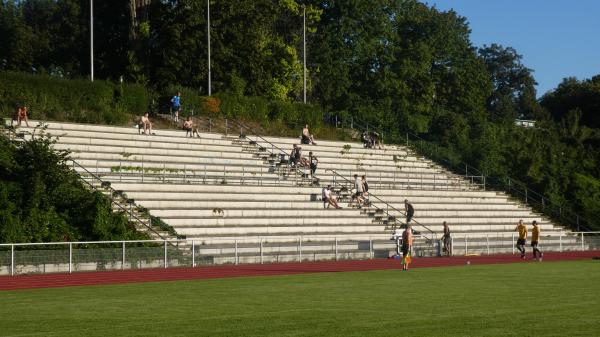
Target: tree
{"x":513,"y":94}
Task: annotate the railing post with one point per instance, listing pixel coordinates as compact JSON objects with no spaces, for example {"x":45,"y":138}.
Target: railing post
{"x":466,"y":245}
{"x":560,"y":242}
{"x":512,"y":242}
{"x":407,"y":139}
{"x":193,"y":254}
{"x":70,"y":257}
{"x":336,"y":248}
{"x":236,"y":252}
{"x":226,"y":127}
{"x":582,"y":244}
{"x":487,"y":240}
{"x":261,"y":251}
{"x":371,"y":248}
{"x":123,"y":256}
{"x":300,"y":249}
{"x":166,"y":263}
{"x":525,"y":195}
{"x":12,"y":260}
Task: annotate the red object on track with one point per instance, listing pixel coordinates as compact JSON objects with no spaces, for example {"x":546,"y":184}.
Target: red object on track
{"x":225,"y":271}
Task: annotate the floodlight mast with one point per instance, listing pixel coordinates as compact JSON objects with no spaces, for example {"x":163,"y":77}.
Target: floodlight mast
{"x":208,"y":39}
{"x":92,"y":40}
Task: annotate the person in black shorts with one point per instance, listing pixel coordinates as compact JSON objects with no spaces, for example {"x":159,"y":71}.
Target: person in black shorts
{"x":522,"y":230}
{"x":410,"y":211}
{"x":312,"y":159}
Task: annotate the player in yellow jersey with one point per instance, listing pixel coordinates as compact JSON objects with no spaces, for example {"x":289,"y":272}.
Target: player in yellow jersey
{"x":522,"y":229}
{"x":535,"y":239}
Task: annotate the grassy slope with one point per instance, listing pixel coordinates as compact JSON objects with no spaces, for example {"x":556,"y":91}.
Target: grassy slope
{"x":495,"y":300}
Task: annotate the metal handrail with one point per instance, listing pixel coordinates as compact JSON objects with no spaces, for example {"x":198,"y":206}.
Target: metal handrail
{"x":257,"y":136}
{"x":112,"y":190}
{"x":389,"y":206}
{"x":129,"y":212}
{"x":526,"y":194}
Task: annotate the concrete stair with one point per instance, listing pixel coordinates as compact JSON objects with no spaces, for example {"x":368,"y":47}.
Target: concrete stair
{"x":222,"y":189}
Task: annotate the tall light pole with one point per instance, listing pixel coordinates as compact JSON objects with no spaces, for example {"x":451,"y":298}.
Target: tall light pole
{"x":208,"y":38}
{"x":92,"y":40}
{"x":304,"y":48}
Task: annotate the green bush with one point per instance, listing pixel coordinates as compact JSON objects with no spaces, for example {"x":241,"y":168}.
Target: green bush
{"x":42,"y":199}
{"x":71,"y":100}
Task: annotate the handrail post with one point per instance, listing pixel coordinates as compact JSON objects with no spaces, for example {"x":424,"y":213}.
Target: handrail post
{"x":165,"y":241}
{"x":582,"y":244}
{"x":300,"y":249}
{"x":123,"y":256}
{"x":193,"y":254}
{"x":70,"y":257}
{"x":336,"y":248}
{"x":560,"y":241}
{"x":236,"y":251}
{"x":12,"y":260}
{"x":512,"y":242}
{"x":371,"y":248}
{"x":261,"y":251}
{"x":466,"y":245}
{"x":487,"y":240}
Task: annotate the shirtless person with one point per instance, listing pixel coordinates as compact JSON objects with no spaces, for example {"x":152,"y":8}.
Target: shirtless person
{"x":189,"y":128}
{"x":145,"y":124}
{"x":307,"y":138}
{"x":22,"y":116}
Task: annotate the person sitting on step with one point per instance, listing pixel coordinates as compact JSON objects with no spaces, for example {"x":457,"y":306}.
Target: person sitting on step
{"x":145,"y":125}
{"x":307,"y":138}
{"x":188,"y":126}
{"x":329,"y":198}
{"x":22,"y":116}
{"x":294,"y":155}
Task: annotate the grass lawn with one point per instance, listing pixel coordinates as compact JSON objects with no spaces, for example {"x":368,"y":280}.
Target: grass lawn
{"x":529,"y":299}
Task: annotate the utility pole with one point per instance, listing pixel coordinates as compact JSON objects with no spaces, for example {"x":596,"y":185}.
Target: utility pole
{"x":208,"y":38}
{"x":304,"y":48}
{"x":92,"y":40}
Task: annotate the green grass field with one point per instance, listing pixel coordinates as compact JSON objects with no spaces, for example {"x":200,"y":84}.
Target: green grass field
{"x":531,"y":299}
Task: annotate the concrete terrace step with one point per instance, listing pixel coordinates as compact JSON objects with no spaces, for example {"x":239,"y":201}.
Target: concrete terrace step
{"x":228,"y":203}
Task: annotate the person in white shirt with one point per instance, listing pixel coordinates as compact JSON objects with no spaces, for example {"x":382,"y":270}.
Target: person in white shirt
{"x":359,"y":188}
{"x":329,"y":197}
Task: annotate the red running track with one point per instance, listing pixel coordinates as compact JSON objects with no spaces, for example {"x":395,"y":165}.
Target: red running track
{"x":225,"y":271}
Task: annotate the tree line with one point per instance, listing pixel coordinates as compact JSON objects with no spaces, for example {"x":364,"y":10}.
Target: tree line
{"x":400,"y":65}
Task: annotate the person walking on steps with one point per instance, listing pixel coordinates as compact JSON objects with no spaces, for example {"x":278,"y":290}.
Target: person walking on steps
{"x":522,"y":229}
{"x":447,"y":240}
{"x":176,"y":106}
{"x":410,"y":211}
{"x":535,"y":239}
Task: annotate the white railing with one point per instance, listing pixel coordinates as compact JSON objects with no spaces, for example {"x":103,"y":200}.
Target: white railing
{"x":25,"y":258}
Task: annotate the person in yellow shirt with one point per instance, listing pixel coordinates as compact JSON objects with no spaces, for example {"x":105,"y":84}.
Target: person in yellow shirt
{"x":407,"y":241}
{"x":522,"y":229}
{"x":535,"y":239}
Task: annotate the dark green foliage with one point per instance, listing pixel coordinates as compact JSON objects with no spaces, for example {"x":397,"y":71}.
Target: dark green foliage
{"x":42,"y":200}
{"x":71,"y":100}
{"x":396,"y":66}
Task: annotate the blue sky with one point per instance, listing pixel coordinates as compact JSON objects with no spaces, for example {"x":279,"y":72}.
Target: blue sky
{"x":557,"y":38}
